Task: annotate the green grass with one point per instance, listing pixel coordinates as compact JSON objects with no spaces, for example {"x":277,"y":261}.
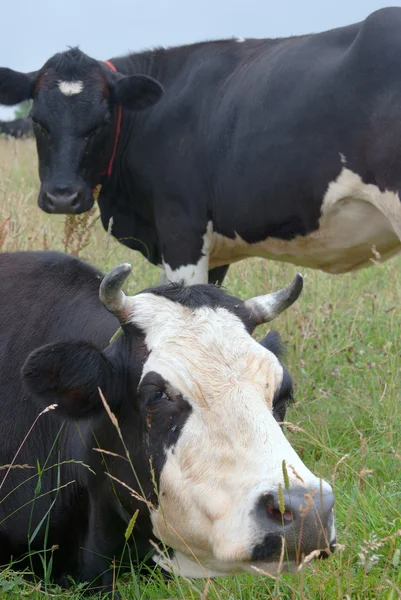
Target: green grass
{"x":344,"y":353}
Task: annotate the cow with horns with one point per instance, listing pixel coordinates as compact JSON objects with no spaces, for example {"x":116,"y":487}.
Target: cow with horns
{"x":176,"y":422}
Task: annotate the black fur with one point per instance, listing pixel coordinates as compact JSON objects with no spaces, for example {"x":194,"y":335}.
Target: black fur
{"x":196,"y":296}
{"x":284,"y":395}
{"x":15,"y":87}
{"x":18,"y":128}
{"x":136,"y":92}
{"x":269,"y":547}
{"x":246,"y":136}
{"x":69,"y":374}
{"x":54,"y":349}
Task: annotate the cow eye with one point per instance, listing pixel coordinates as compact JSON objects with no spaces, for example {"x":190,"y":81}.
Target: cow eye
{"x":156,"y":398}
{"x":95,"y":129}
{"x":91,"y":132}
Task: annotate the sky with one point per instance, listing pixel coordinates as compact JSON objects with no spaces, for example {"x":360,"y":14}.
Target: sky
{"x":33,"y":30}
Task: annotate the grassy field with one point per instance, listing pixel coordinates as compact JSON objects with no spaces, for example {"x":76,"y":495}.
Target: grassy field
{"x":344,"y":353}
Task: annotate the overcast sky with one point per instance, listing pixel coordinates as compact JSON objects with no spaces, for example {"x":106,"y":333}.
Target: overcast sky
{"x":33,"y":30}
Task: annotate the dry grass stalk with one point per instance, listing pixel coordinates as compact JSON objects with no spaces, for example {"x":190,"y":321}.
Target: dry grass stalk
{"x":3,"y":232}
{"x":78,"y":230}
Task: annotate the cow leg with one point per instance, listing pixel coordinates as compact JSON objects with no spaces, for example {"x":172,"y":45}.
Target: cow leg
{"x":189,"y":273}
{"x":185,"y":250}
{"x":217,"y":274}
{"x":186,"y":262}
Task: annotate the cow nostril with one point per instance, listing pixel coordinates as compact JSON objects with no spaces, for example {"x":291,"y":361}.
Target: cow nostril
{"x":63,"y":203}
{"x":74,"y":200}
{"x":276,"y":512}
{"x":49,"y":200}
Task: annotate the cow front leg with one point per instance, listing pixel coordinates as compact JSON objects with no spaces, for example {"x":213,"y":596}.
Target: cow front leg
{"x":186,"y":255}
{"x":189,"y":273}
{"x":217,"y":274}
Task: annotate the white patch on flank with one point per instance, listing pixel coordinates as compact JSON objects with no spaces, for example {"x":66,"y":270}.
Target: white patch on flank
{"x":70,"y":88}
{"x":240,"y":40}
{"x":355,"y":218}
{"x":198,"y":273}
{"x":230,"y":450}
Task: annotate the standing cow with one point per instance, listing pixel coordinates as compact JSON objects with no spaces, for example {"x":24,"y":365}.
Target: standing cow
{"x":286,"y":148}
{"x":197,"y":401}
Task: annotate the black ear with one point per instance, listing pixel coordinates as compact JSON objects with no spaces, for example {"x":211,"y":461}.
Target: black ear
{"x":274,"y":343}
{"x":16,"y":87}
{"x":68,"y":374}
{"x":137,"y":92}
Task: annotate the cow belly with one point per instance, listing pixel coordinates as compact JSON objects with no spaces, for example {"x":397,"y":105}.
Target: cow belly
{"x":356,"y":220}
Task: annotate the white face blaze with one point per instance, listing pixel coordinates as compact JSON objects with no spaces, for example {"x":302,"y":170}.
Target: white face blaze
{"x":230,"y":450}
{"x":70,"y":88}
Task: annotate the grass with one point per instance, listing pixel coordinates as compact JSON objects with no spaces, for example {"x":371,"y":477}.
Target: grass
{"x":344,"y":352}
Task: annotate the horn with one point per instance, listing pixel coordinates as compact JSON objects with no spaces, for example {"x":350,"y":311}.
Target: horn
{"x":268,"y":307}
{"x":111,"y":294}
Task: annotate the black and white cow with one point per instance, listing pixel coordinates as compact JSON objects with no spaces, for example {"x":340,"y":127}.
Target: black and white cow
{"x":197,"y":401}
{"x":19,"y":128}
{"x":287,"y":149}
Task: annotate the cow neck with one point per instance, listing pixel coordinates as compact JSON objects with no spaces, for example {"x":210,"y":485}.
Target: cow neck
{"x":108,"y":171}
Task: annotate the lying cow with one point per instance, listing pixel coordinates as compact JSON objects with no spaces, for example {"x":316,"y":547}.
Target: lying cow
{"x":19,"y":128}
{"x":286,"y":149}
{"x":197,"y":401}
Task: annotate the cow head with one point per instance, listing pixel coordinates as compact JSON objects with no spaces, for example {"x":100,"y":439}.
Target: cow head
{"x":75,"y":113}
{"x":197,"y":400}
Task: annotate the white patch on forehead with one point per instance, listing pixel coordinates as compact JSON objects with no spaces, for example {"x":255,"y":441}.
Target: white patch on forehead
{"x":216,"y":341}
{"x":240,"y":40}
{"x":355,"y":218}
{"x":198,"y":273}
{"x":70,"y":88}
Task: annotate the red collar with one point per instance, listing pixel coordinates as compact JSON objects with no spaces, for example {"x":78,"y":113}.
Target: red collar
{"x":96,"y":190}
{"x":118,"y":127}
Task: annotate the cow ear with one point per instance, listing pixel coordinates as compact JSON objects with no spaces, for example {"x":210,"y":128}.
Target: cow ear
{"x":274,"y":343}
{"x":68,"y":374}
{"x":137,"y":92}
{"x":16,"y":87}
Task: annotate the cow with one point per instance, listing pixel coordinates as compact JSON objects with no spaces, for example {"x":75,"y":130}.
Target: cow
{"x":205,"y":154}
{"x":283,"y":148}
{"x":173,"y":426}
{"x":19,"y":128}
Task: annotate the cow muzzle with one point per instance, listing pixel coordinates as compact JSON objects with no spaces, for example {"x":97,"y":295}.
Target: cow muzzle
{"x":296,"y":522}
{"x":65,"y":200}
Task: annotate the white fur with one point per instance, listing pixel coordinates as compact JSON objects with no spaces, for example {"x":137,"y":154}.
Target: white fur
{"x":70,"y":88}
{"x":198,"y":273}
{"x":230,"y":450}
{"x":355,"y":218}
{"x":240,"y":40}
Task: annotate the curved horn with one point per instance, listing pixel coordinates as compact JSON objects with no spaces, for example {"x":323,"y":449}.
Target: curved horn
{"x":111,"y":294}
{"x":268,"y":307}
